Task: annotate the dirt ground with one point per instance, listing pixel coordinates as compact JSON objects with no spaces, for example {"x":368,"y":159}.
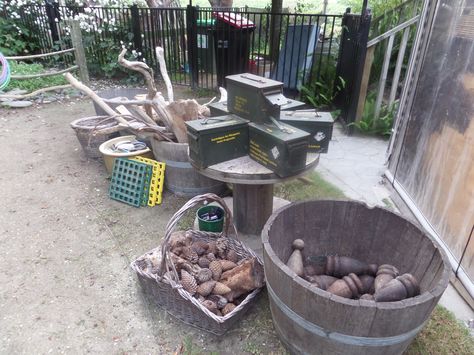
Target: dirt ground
{"x":66,"y":249}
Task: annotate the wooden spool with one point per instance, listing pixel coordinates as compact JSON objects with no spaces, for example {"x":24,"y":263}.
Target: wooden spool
{"x":180,"y":176}
{"x":310,"y":320}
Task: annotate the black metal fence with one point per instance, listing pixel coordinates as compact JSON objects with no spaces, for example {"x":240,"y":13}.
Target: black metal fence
{"x":201,"y":45}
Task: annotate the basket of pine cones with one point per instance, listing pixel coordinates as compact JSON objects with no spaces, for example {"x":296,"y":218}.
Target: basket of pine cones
{"x":207,"y":280}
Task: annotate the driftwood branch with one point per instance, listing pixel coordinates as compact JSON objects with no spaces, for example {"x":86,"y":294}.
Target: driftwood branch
{"x":34,"y":93}
{"x":144,"y":70}
{"x":160,"y":54}
{"x":223,"y":95}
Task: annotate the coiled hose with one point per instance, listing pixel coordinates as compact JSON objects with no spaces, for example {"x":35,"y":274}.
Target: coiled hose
{"x":5,"y":73}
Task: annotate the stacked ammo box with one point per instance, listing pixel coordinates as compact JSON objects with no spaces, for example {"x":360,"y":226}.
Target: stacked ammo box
{"x":260,"y":121}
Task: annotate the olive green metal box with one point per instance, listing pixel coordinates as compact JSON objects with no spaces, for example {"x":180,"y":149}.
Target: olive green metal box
{"x":218,"y":109}
{"x":318,"y":124}
{"x":281,"y":148}
{"x":254,"y":97}
{"x":217,"y":139}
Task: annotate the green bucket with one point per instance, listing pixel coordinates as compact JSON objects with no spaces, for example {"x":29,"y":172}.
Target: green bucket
{"x":210,"y":218}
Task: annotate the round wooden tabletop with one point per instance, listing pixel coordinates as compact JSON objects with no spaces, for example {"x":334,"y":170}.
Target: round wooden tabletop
{"x":246,"y":171}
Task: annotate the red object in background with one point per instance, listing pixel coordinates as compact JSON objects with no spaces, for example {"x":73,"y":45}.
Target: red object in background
{"x":234,"y":19}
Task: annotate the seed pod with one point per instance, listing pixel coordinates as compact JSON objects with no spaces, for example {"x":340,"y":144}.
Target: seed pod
{"x":204,"y":275}
{"x":220,"y":289}
{"x":210,"y":306}
{"x":227,"y":265}
{"x":229,"y":307}
{"x":211,"y":256}
{"x":188,"y":282}
{"x":219,"y":300}
{"x":232,"y":256}
{"x":206,"y":288}
{"x":203,"y":262}
{"x":216,"y":268}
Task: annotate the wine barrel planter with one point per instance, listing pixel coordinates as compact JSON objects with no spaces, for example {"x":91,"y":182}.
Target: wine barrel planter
{"x":311,"y":321}
{"x":180,"y":177}
{"x":129,"y":93}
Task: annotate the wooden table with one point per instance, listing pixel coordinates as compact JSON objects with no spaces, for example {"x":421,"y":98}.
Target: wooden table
{"x":253,"y":189}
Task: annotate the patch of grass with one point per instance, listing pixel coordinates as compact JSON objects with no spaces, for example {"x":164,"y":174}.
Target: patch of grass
{"x":201,"y":92}
{"x":312,"y":186}
{"x":444,"y":334}
{"x":20,"y":68}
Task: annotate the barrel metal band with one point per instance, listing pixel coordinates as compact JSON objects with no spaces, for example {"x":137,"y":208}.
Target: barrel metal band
{"x":177,"y":164}
{"x":339,"y":337}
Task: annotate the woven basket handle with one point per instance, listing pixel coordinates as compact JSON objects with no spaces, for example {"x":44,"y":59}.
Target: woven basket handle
{"x":166,"y":264}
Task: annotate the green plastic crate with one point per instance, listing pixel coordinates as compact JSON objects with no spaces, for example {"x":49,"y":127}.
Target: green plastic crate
{"x":130,"y":182}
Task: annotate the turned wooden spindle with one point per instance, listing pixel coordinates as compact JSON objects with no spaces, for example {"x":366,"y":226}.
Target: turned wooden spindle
{"x":322,"y":281}
{"x":295,"y":262}
{"x":349,"y":286}
{"x":385,"y":274}
{"x":367,"y":283}
{"x":339,"y":266}
{"x":404,"y":286}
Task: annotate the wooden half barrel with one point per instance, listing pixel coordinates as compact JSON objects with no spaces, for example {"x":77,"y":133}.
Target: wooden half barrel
{"x":180,"y":176}
{"x":311,"y":321}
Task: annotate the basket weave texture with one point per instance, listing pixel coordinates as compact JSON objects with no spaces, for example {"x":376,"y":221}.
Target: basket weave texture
{"x":165,"y":288}
{"x":93,"y":131}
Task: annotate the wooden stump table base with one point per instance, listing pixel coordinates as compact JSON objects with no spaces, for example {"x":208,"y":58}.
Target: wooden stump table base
{"x":253,"y":204}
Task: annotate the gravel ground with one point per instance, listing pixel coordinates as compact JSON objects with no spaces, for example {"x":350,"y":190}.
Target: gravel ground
{"x":66,"y":249}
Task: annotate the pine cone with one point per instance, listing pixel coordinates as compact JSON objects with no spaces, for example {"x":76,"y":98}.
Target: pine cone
{"x":204,"y":275}
{"x":206,"y":288}
{"x":227,"y":265}
{"x":219,"y":300}
{"x":221,"y":247}
{"x":210,"y":306}
{"x":190,"y":255}
{"x":212,"y":248}
{"x":203,"y":262}
{"x":216,"y":268}
{"x":177,"y":239}
{"x":232,"y":256}
{"x":188,"y":282}
{"x":198,"y":248}
{"x":229,"y":307}
{"x":220,"y":289}
{"x":211,"y":256}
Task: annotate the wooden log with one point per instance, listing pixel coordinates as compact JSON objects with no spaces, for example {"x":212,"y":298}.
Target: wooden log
{"x":160,"y":55}
{"x":145,"y":71}
{"x":243,"y":278}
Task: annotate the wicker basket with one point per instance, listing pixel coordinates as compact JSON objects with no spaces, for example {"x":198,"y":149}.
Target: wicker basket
{"x":93,"y":131}
{"x":165,"y":289}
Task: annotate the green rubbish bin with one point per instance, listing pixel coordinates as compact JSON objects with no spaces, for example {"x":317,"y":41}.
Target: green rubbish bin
{"x":205,"y":45}
{"x":211,"y":218}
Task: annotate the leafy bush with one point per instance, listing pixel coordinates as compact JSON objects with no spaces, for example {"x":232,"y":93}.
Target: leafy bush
{"x":14,"y":38}
{"x":322,"y":91}
{"x":382,"y":125}
{"x":21,"y":68}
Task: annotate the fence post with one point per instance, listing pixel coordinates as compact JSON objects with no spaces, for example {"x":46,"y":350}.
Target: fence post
{"x":76,"y":39}
{"x":136,"y":30}
{"x":52,"y":11}
{"x":351,"y":65}
{"x":369,"y":59}
{"x":191,"y":27}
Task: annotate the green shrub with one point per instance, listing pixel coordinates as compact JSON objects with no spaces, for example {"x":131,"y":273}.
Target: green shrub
{"x":382,"y":125}
{"x":21,"y":68}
